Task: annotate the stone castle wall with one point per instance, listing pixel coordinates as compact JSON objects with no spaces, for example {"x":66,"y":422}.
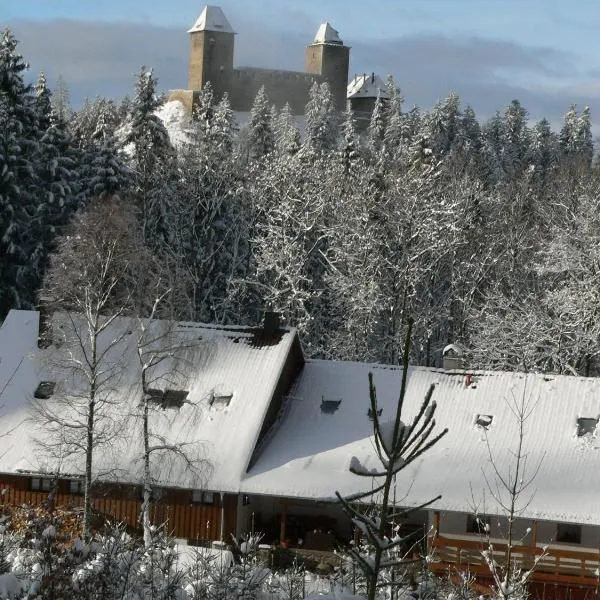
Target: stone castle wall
{"x":281,"y":87}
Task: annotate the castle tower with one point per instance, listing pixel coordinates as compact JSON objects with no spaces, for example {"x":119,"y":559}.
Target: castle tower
{"x":327,"y":56}
{"x":211,"y":52}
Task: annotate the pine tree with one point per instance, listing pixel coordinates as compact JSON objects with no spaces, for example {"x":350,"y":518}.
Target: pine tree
{"x":260,"y":128}
{"x":286,"y":134}
{"x":61,"y":101}
{"x":349,"y":143}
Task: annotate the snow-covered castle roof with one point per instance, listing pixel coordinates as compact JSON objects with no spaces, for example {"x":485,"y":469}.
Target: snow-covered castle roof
{"x":367,"y":86}
{"x":326,"y":34}
{"x":212,"y":18}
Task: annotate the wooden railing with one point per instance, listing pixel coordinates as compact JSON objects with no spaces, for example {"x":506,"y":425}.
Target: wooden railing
{"x":554,"y":565}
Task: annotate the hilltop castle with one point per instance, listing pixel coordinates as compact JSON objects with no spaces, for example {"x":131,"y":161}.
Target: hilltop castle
{"x":326,"y":60}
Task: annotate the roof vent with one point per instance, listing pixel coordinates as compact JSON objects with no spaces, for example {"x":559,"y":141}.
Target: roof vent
{"x":330,"y":405}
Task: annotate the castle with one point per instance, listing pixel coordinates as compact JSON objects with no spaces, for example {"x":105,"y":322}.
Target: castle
{"x":326,"y":60}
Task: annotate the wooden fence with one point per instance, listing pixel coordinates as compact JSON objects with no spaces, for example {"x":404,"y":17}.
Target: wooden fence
{"x":184,"y":519}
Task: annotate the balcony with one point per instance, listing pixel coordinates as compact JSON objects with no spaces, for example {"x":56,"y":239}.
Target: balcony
{"x":561,"y":565}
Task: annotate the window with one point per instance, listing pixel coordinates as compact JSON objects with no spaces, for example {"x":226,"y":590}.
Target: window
{"x":568,"y":533}
{"x":586,"y":425}
{"x":44,"y":390}
{"x":329,"y":405}
{"x":220,"y":399}
{"x":202,"y":497}
{"x":76,"y":486}
{"x":478,"y":523}
{"x":484,"y":421}
{"x":168,"y":398}
{"x":41,"y":484}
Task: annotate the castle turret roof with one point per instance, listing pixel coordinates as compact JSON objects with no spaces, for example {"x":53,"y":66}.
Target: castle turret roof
{"x":212,"y":18}
{"x":326,"y":34}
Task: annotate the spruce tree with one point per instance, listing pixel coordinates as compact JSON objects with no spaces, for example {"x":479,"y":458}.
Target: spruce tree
{"x":19,"y":200}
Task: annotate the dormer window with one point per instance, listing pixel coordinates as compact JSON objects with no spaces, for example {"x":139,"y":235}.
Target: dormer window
{"x":484,"y":421}
{"x":168,"y":398}
{"x":586,"y":425}
{"x":330,"y":405}
{"x":44,"y":390}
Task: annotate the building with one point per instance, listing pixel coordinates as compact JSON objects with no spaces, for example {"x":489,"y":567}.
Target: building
{"x":279,"y":433}
{"x":212,"y":41}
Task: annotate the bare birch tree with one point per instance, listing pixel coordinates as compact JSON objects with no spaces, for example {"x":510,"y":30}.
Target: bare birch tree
{"x":90,"y":278}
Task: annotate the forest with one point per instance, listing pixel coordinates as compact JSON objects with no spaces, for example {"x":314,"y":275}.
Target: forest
{"x":484,"y":233}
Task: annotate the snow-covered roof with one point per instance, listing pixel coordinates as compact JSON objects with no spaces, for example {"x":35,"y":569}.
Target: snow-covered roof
{"x":326,"y":34}
{"x":230,"y":374}
{"x":310,"y":451}
{"x":212,"y":18}
{"x":367,"y":86}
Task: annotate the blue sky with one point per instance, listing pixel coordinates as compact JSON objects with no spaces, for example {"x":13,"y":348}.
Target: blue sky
{"x":543,"y":52}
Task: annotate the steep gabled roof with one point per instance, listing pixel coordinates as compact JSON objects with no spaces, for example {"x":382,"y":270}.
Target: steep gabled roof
{"x":309,"y":453}
{"x":326,"y":34}
{"x":367,"y":86}
{"x":230,"y":375}
{"x":212,"y":18}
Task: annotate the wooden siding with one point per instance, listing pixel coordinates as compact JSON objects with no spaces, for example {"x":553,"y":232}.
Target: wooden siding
{"x":121,"y":503}
{"x":555,"y":565}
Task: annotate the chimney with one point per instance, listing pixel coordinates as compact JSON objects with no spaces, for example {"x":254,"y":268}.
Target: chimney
{"x":45,"y":308}
{"x":452,"y":357}
{"x":271,"y":323}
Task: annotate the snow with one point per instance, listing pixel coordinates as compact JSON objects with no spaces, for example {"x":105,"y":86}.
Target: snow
{"x":326,"y":34}
{"x":49,"y":532}
{"x":309,"y":454}
{"x":215,"y":358}
{"x":10,"y":586}
{"x":212,"y":18}
{"x":176,"y":121}
{"x":455,"y":348}
{"x":367,"y":86}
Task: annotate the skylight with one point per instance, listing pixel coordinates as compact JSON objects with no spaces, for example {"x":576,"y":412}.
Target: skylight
{"x":44,"y":390}
{"x":330,"y":405}
{"x":220,"y":399}
{"x":586,"y":425}
{"x":168,"y":398}
{"x":484,"y":421}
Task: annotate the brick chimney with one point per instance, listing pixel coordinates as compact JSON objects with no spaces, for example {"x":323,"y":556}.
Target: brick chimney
{"x":271,"y":323}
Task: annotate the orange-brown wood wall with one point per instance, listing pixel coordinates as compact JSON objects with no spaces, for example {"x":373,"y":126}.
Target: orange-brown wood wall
{"x":121,"y":503}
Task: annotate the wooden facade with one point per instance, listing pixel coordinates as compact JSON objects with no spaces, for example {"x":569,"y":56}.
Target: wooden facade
{"x":184,"y":518}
